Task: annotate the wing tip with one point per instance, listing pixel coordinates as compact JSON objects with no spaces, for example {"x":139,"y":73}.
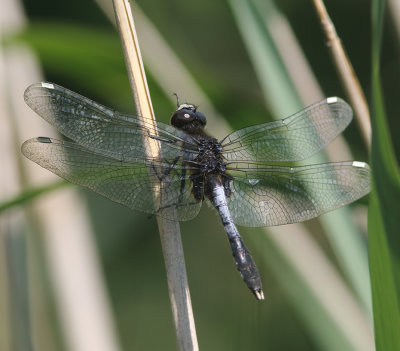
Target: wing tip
{"x":341,"y":109}
{"x":47,"y":85}
{"x":26,"y":145}
{"x":29,"y":91}
{"x":359,"y":164}
{"x":335,"y":100}
{"x":44,"y":140}
{"x":332,"y":100}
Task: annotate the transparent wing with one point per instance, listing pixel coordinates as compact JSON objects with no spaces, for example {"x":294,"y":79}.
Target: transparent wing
{"x":291,"y":139}
{"x":97,"y":127}
{"x":129,"y":183}
{"x":269,"y":195}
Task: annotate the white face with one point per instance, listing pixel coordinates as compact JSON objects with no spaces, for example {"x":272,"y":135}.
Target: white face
{"x":187,"y":106}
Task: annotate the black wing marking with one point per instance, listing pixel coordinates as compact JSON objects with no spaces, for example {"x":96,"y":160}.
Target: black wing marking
{"x":97,"y":127}
{"x":270,"y":195}
{"x":291,"y":139}
{"x":130,"y":183}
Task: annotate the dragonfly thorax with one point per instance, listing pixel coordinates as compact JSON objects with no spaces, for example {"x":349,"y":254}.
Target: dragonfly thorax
{"x":210,"y":156}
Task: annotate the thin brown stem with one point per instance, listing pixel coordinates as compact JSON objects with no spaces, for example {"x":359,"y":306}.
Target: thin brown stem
{"x":169,"y":230}
{"x":346,"y":72}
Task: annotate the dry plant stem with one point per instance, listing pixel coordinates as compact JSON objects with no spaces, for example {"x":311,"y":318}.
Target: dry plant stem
{"x":346,"y":73}
{"x":169,"y":230}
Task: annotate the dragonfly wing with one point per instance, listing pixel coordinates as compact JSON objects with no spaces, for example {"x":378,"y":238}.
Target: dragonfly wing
{"x":291,"y":139}
{"x":129,"y":183}
{"x":107,"y":131}
{"x":270,"y":195}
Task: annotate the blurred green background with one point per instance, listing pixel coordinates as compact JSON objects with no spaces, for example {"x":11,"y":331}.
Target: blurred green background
{"x":79,"y":48}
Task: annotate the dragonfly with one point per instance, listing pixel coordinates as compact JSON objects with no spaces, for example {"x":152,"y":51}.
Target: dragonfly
{"x":245,"y":176}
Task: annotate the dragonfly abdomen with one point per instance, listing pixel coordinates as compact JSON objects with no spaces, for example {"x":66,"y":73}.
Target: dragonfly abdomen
{"x":243,"y":260}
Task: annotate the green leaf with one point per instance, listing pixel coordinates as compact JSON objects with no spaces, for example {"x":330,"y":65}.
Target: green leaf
{"x":30,"y":194}
{"x":384,"y":299}
{"x":383,"y":218}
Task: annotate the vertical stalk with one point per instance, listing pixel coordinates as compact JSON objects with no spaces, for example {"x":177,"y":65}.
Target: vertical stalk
{"x":346,"y":72}
{"x":169,"y":230}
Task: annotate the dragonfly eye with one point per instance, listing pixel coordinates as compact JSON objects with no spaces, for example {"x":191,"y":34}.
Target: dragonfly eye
{"x":182,"y":117}
{"x":201,"y":118}
{"x":187,"y":116}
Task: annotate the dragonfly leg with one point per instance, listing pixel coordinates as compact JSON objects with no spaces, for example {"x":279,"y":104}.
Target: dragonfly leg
{"x":182,"y":187}
{"x":167,"y":171}
{"x":179,"y":203}
{"x":174,"y":205}
{"x":164,"y":140}
{"x":198,"y":186}
{"x":182,"y":176}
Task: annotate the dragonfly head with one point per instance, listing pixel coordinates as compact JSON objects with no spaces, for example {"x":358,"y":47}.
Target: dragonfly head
{"x":187,"y":118}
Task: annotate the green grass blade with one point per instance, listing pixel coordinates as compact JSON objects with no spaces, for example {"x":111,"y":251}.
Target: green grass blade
{"x":383,"y":217}
{"x":30,"y":194}
{"x":384,"y":297}
{"x":20,"y":321}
